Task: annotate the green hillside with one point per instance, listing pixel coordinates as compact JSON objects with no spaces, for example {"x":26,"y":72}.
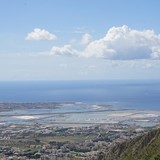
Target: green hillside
{"x":146,"y":147}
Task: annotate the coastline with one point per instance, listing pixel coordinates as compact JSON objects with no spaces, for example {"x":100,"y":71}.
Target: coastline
{"x":68,"y":129}
{"x":73,"y":112}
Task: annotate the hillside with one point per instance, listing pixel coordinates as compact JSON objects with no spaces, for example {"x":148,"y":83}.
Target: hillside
{"x":146,"y":147}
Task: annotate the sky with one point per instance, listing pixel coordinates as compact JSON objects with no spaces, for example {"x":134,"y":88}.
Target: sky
{"x":79,"y":39}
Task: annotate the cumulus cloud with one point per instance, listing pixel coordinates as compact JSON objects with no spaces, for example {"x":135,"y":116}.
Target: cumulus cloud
{"x":123,"y":43}
{"x":86,"y":38}
{"x":40,"y":34}
{"x":120,"y":43}
{"x":65,"y":50}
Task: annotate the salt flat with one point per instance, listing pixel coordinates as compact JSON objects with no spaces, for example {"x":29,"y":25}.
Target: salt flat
{"x":75,"y":113}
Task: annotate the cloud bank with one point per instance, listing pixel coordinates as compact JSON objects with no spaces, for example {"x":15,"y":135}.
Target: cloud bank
{"x":40,"y":34}
{"x":120,"y":43}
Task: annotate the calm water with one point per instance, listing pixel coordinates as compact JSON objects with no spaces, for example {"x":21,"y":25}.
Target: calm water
{"x":131,"y":94}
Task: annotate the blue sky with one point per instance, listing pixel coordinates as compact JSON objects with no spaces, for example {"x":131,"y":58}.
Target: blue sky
{"x":82,"y":39}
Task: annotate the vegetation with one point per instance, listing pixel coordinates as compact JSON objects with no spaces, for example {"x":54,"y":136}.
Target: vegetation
{"x":146,"y":147}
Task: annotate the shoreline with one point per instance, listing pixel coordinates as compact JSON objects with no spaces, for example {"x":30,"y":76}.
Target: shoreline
{"x":75,"y":113}
{"x":68,"y":128}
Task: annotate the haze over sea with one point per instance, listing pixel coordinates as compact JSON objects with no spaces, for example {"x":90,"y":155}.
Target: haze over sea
{"x":138,"y":94}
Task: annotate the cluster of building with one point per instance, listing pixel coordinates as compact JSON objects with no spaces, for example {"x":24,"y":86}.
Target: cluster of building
{"x":50,"y":142}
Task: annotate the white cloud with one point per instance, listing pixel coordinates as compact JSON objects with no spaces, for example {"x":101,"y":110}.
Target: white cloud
{"x":120,"y":43}
{"x":86,"y":38}
{"x":123,"y":43}
{"x":40,"y":34}
{"x":65,"y":50}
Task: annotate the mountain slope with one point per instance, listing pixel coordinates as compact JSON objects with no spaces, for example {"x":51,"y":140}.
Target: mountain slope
{"x":146,"y":147}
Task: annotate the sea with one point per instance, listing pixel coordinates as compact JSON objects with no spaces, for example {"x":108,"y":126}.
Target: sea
{"x":138,"y":94}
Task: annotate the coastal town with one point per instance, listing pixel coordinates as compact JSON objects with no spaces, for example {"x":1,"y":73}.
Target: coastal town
{"x":43,"y":139}
{"x":46,"y":142}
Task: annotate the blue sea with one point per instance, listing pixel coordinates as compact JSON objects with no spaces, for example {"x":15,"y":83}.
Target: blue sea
{"x":138,"y":94}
